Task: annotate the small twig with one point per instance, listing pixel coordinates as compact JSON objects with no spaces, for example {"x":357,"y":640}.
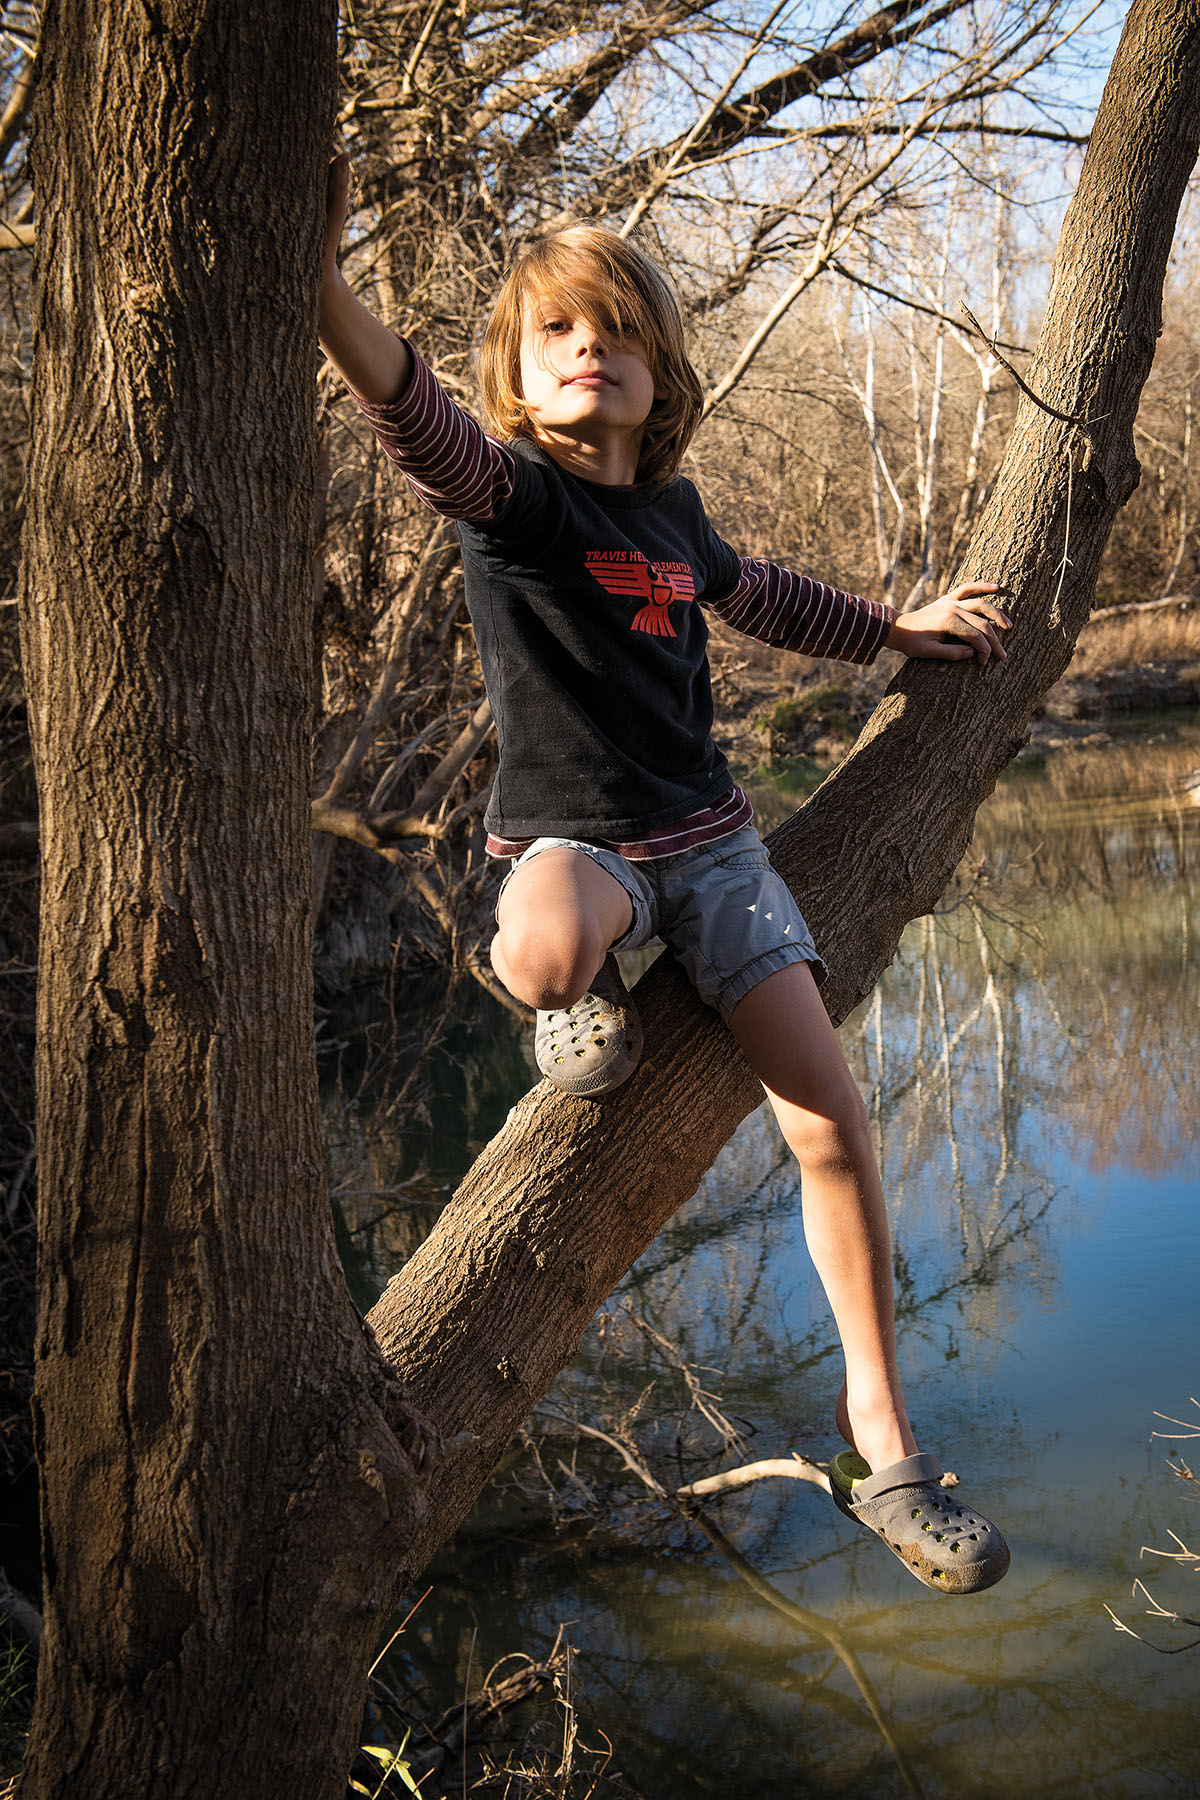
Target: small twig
{"x":633,"y":1463}
{"x":1080,"y":419}
{"x":1054,"y":618}
{"x":1162,"y":1649}
{"x":1183,"y":1554}
{"x":905,"y":300}
{"x":1190,"y":1429}
{"x":400,"y":1627}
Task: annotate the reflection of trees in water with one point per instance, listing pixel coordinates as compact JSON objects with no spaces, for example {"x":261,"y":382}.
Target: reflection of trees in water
{"x":1107,"y":818}
{"x":1080,"y":1010}
{"x":1052,"y":1007}
{"x":409,"y":1102}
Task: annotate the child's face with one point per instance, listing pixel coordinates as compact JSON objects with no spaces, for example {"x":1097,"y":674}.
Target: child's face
{"x":580,"y":382}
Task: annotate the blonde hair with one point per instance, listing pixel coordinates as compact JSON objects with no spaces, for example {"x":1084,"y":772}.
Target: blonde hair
{"x":611,"y":283}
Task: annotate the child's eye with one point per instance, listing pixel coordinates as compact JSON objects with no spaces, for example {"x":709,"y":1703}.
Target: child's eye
{"x":554,"y":327}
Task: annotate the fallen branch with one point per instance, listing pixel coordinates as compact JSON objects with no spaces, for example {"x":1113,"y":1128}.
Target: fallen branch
{"x":798,"y":1615}
{"x":1184,"y":602}
{"x":797,"y":1467}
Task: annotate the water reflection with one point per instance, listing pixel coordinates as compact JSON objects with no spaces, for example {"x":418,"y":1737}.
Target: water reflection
{"x":1030,"y":1065}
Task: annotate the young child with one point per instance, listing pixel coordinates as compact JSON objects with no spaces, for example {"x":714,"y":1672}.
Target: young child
{"x":589,"y":562}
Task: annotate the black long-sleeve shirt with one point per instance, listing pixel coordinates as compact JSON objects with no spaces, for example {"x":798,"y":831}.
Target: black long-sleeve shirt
{"x":584,"y":597}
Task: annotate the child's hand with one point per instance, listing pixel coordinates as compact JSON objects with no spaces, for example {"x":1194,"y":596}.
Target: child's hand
{"x":337,"y":193}
{"x":966,"y":614}
{"x":374,"y":363}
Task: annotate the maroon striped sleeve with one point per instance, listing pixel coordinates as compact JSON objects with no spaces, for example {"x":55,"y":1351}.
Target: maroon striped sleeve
{"x":793,"y":612}
{"x":451,"y":463}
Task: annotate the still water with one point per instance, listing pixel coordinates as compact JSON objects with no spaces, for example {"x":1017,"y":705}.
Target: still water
{"x":1030,"y":1061}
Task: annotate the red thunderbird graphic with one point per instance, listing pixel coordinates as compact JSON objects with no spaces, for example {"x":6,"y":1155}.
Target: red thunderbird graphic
{"x":657,"y":584}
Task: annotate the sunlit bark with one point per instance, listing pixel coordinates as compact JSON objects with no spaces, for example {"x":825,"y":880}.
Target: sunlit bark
{"x":220,"y":1460}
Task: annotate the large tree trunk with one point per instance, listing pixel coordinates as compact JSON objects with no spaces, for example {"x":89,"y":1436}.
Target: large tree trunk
{"x":232,"y":1487}
{"x":211,"y":1416}
{"x":570,"y":1192}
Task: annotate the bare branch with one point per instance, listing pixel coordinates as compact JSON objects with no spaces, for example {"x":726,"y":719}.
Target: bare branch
{"x":13,"y":121}
{"x":798,"y":1468}
{"x":907,"y":301}
{"x":1065,"y":418}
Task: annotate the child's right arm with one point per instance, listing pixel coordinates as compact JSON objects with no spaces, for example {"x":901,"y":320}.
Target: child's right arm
{"x":373,"y":361}
{"x":450,"y":462}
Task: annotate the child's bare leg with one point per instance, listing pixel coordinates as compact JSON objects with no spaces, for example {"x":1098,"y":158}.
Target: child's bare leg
{"x":557,"y":917}
{"x":790,"y":1044}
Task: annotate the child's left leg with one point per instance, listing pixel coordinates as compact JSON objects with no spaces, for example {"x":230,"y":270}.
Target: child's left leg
{"x":893,"y":1490}
{"x":785,"y":1034}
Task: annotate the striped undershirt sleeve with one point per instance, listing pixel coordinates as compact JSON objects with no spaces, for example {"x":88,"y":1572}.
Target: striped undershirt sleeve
{"x":451,"y":463}
{"x":793,"y":612}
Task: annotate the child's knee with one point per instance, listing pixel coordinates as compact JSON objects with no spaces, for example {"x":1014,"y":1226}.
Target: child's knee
{"x":835,"y":1139}
{"x":541,"y":968}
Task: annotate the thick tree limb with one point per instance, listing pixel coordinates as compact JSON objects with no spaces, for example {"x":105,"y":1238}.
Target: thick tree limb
{"x":748,"y":116}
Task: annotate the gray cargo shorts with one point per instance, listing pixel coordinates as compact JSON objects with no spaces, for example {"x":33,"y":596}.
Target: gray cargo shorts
{"x":721,"y":908}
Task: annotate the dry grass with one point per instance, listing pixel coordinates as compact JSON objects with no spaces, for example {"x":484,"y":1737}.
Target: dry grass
{"x":1132,"y":640}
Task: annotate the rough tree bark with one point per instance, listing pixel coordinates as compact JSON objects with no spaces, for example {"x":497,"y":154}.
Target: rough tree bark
{"x":234,"y":1488}
{"x":210,"y":1414}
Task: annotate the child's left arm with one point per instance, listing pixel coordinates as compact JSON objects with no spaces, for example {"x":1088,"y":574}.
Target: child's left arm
{"x":775,"y":605}
{"x":962,"y":623}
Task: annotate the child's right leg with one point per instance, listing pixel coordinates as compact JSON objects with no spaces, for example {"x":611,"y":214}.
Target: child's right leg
{"x":560,"y":911}
{"x":557,"y":917}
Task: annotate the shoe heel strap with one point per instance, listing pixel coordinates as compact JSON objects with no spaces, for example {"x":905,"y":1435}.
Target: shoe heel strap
{"x":909,"y":1472}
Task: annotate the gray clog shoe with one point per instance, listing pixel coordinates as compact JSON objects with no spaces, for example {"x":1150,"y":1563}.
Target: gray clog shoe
{"x":593,"y":1046}
{"x":945,"y":1542}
